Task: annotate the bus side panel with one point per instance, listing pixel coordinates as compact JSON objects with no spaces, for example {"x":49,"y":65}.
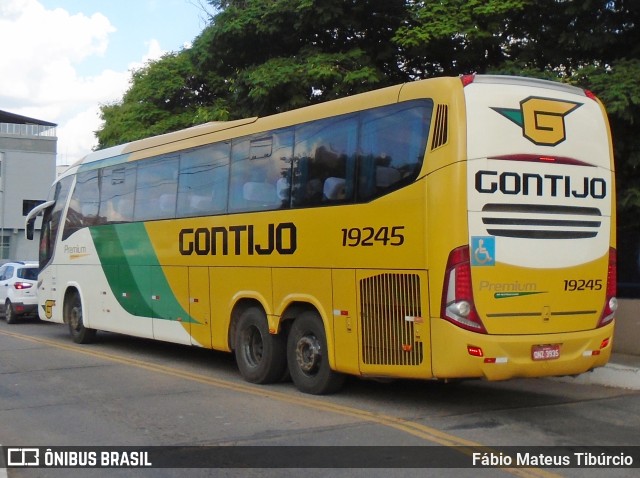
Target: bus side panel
{"x":229,"y":285}
{"x":50,"y":299}
{"x":171,"y":320}
{"x":346,"y":328}
{"x":200,"y":306}
{"x":446,"y":224}
{"x":306,"y":285}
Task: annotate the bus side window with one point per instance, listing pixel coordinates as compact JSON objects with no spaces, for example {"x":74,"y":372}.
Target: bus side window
{"x":392,"y":146}
{"x":117,"y":191}
{"x":157,"y":185}
{"x":324,"y":168}
{"x":260,"y":172}
{"x":204,"y":180}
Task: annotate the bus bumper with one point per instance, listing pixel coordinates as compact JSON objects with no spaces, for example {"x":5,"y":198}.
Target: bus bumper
{"x":458,"y":353}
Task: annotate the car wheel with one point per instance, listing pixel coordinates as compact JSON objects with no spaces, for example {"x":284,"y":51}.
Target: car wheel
{"x":10,"y":314}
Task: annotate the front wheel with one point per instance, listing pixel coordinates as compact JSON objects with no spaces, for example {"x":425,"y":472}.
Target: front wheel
{"x":73,"y":316}
{"x":308,"y":358}
{"x":261,"y":356}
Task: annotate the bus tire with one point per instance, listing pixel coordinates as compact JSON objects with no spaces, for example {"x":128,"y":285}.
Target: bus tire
{"x":308,"y":359}
{"x":261,"y":356}
{"x":73,"y":316}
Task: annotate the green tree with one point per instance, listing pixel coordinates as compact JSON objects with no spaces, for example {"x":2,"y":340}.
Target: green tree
{"x":282,"y":54}
{"x":165,"y":95}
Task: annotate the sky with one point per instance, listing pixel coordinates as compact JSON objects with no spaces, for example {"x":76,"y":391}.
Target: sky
{"x":61,"y":59}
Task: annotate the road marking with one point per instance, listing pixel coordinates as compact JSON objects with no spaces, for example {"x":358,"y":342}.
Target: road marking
{"x":416,"y":429}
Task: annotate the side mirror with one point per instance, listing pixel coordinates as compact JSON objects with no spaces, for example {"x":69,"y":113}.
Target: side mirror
{"x":30,"y":226}
{"x":31,"y":218}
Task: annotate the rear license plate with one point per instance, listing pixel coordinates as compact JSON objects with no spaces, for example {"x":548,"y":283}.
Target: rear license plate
{"x":545,"y":352}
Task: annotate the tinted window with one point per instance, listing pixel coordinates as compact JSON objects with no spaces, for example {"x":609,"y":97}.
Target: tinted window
{"x":203,"y":180}
{"x":28,"y":273}
{"x":84,"y":204}
{"x":260,"y":171}
{"x":325,"y":153}
{"x":117,"y":189}
{"x":392,"y":146}
{"x":51,"y":219}
{"x":7,"y":273}
{"x":157,"y":189}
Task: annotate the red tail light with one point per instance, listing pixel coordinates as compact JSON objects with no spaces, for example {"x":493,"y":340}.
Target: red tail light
{"x":590,"y":94}
{"x":457,"y":294}
{"x":467,"y":79}
{"x":22,"y":285}
{"x":611,"y":302}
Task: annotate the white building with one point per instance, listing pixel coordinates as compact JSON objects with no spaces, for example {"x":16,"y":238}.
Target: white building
{"x":27,"y":169}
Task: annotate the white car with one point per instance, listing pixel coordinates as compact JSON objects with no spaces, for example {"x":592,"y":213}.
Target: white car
{"x":18,"y":290}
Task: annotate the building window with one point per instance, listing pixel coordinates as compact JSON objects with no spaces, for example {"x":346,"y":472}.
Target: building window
{"x":5,"y":247}
{"x":29,"y":204}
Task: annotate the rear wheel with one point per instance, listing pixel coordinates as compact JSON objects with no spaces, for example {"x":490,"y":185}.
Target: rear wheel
{"x":261,"y":356}
{"x":73,"y":316}
{"x":10,"y":314}
{"x":308,"y":359}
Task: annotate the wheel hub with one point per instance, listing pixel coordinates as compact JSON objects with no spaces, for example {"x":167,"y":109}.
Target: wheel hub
{"x":253,"y":347}
{"x":308,"y":354}
{"x":75,"y":317}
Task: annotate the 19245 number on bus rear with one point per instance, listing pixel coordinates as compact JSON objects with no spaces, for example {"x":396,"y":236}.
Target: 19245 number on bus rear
{"x":573,"y":285}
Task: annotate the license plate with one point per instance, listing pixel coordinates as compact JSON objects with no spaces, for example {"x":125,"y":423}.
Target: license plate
{"x":545,"y":352}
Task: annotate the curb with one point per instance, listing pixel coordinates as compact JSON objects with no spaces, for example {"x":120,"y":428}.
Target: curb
{"x":618,"y":373}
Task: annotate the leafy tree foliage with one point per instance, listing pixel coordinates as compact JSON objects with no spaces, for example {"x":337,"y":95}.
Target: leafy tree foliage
{"x":282,"y":54}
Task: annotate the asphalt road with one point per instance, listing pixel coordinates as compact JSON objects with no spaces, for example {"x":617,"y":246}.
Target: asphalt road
{"x":128,"y":392}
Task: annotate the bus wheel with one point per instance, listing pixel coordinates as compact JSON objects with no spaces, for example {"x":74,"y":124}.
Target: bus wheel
{"x":261,"y":356}
{"x":307,"y":357}
{"x":73,"y":316}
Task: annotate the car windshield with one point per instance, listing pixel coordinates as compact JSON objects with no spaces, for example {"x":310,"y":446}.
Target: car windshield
{"x":29,"y":273}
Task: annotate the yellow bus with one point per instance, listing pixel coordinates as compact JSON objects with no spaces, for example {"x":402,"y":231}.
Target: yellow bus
{"x":439,"y":229}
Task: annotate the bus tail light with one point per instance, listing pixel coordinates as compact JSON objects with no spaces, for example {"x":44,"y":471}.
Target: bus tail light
{"x":457,"y":294}
{"x":467,"y":79}
{"x":611,"y":302}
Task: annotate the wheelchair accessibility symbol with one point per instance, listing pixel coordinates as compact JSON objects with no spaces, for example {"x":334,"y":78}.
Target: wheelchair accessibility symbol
{"x":483,"y":251}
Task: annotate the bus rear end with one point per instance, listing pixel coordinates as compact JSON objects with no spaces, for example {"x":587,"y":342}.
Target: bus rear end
{"x":532,"y":293}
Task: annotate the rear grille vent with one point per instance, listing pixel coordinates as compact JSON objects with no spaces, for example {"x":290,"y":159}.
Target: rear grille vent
{"x":532,"y":221}
{"x":441,"y":127}
{"x":390,"y":305}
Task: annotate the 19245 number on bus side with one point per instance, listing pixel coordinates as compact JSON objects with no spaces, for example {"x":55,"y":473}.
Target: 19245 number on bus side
{"x":370,"y":236}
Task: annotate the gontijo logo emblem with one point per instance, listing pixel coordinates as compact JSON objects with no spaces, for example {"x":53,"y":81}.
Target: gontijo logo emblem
{"x":541,"y":119}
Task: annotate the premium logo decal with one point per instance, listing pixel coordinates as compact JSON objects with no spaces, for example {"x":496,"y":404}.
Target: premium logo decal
{"x":541,"y":119}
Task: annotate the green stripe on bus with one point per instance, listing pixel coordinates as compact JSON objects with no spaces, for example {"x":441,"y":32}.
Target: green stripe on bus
{"x":134,"y":272}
